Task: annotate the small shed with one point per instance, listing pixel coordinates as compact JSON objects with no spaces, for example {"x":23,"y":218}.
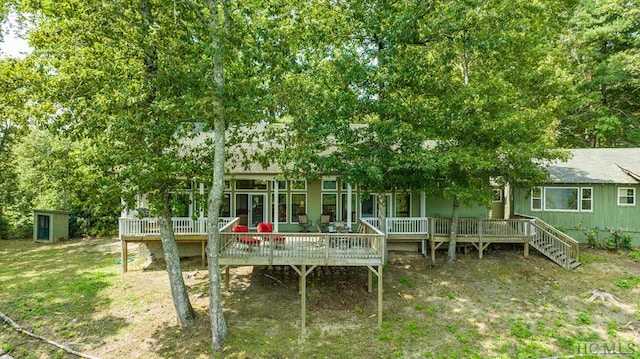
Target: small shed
{"x":50,"y":226}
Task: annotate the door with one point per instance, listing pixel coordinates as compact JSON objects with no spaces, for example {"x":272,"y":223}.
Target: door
{"x":251,"y":206}
{"x":43,"y":227}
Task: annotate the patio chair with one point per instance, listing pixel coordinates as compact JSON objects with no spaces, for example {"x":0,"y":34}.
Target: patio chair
{"x":250,"y":242}
{"x":276,"y":241}
{"x":324,"y":222}
{"x":303,"y":221}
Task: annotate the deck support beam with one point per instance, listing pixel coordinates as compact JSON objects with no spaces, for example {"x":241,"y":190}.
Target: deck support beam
{"x":303,"y":272}
{"x":378,"y":273}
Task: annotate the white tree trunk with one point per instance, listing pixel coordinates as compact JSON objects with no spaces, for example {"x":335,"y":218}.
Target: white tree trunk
{"x":218,"y":323}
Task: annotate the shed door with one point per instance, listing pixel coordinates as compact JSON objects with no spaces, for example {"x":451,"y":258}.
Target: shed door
{"x":43,"y":227}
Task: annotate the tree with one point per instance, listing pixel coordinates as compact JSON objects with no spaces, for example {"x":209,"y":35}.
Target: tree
{"x":111,"y":83}
{"x":453,"y":95}
{"x":603,"y":57}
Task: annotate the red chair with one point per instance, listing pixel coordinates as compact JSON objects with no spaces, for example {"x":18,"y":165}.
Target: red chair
{"x":266,"y":227}
{"x":249,"y":241}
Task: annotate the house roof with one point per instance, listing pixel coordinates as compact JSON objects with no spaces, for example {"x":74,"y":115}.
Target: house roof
{"x":598,"y":165}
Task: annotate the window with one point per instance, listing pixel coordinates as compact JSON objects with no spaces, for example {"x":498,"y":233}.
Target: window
{"x":282,"y":208}
{"x":586,"y":198}
{"x":298,"y":205}
{"x":330,"y":205}
{"x":282,"y":185}
{"x":180,"y":204}
{"x":561,"y":198}
{"x":368,"y":206}
{"x":329,"y":185}
{"x":536,"y":199}
{"x":251,"y":184}
{"x":299,"y":185}
{"x":403,"y":205}
{"x":626,"y":196}
{"x":497,"y":195}
{"x":344,"y":205}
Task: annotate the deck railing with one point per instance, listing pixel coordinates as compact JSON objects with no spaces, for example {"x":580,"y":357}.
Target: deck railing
{"x":468,"y":227}
{"x":407,"y":225}
{"x":368,"y":243}
{"x":181,"y":225}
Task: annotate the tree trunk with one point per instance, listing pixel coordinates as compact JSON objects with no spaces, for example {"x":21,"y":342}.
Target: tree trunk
{"x":185,"y":312}
{"x":382,"y":212}
{"x":218,"y":323}
{"x":453,"y":235}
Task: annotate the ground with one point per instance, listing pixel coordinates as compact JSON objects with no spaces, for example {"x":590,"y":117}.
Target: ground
{"x":503,"y":306}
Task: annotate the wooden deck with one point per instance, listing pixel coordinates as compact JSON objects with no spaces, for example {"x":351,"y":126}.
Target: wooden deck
{"x":480,"y":233}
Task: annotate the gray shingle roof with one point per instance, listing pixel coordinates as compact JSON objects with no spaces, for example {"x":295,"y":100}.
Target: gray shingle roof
{"x":598,"y":165}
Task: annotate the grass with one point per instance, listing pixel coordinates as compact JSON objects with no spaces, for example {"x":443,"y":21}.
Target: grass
{"x":503,"y":306}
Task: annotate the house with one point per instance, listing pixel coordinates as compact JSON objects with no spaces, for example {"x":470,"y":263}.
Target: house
{"x":595,"y":188}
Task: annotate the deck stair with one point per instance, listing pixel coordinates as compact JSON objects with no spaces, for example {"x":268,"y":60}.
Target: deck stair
{"x":554,"y":244}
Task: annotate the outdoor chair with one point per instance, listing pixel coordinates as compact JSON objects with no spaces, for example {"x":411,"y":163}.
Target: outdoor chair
{"x":276,"y":241}
{"x":303,"y":222}
{"x":324,"y":222}
{"x":250,"y":242}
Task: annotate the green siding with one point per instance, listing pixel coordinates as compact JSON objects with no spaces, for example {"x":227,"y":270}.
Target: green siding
{"x":438,"y":207}
{"x":606,"y":211}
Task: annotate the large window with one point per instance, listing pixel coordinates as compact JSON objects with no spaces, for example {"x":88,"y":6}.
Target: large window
{"x":626,"y":196}
{"x":368,"y":206}
{"x":562,"y":199}
{"x":298,"y":205}
{"x":344,"y":204}
{"x":403,"y":205}
{"x":282,"y":208}
{"x":180,"y":204}
{"x":330,"y":205}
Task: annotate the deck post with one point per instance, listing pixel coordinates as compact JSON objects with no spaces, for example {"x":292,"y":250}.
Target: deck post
{"x":227,"y":277}
{"x":202,"y":253}
{"x":380,"y":296}
{"x":349,"y":209}
{"x":303,"y":296}
{"x":526,"y":249}
{"x":276,"y":205}
{"x":369,"y":280}
{"x":123,"y":243}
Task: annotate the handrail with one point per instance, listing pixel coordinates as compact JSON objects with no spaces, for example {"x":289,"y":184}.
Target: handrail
{"x":407,"y":225}
{"x":181,"y":225}
{"x":560,"y":236}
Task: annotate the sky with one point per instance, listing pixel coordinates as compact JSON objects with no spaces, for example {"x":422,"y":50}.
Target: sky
{"x":13,"y":44}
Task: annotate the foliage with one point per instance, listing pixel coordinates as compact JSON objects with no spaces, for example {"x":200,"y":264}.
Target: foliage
{"x":592,"y":235}
{"x":618,"y":239}
{"x":603,"y":50}
{"x":628,"y":282}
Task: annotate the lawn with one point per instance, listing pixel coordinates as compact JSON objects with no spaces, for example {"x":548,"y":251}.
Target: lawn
{"x":503,"y":306}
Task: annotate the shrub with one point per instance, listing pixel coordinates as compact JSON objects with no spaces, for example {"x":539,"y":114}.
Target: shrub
{"x":618,"y":239}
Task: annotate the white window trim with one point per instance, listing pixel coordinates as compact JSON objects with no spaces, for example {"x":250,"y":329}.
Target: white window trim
{"x":541,"y":198}
{"x":273,"y":185}
{"x":582,"y":199}
{"x":329,"y":179}
{"x":626,"y":204}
